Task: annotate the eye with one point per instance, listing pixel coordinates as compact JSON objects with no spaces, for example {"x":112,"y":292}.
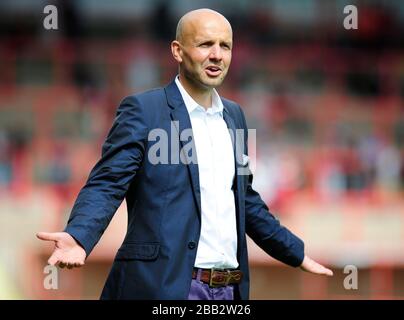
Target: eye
{"x":226,"y":45}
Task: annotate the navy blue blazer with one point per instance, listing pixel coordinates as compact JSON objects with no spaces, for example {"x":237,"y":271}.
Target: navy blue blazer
{"x":157,"y":256}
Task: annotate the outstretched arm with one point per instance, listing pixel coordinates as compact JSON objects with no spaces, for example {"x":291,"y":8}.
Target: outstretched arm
{"x":108,"y":182}
{"x":269,"y":234}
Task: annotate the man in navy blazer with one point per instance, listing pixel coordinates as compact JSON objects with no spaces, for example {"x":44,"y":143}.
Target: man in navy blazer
{"x":176,"y":155}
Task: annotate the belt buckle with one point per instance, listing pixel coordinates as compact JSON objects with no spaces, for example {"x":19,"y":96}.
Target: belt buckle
{"x":226,"y":281}
{"x":228,"y":278}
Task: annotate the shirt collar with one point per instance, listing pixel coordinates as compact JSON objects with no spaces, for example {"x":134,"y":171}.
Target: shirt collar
{"x":192,"y":105}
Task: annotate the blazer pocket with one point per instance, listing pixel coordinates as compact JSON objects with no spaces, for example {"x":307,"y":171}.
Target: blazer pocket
{"x":138,"y":251}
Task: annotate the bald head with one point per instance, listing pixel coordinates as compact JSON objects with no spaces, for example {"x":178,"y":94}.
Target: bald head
{"x":193,"y":20}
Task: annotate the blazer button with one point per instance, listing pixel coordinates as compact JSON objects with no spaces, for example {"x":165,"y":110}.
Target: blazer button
{"x":191,"y":245}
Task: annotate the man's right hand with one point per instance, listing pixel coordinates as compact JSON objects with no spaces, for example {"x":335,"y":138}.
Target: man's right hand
{"x":68,"y":252}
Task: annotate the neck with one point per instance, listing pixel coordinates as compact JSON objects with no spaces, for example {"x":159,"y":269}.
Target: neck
{"x":202,"y":97}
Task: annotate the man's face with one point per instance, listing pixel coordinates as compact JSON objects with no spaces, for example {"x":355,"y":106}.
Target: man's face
{"x":205,"y":51}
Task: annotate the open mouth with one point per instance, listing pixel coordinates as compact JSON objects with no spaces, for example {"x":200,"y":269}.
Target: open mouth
{"x":213,"y":71}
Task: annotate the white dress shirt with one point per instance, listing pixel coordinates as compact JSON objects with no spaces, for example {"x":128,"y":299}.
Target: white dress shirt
{"x":217,"y":246}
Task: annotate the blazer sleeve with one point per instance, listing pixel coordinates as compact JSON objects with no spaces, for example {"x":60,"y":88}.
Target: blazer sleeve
{"x":264,"y":229}
{"x":109,"y":180}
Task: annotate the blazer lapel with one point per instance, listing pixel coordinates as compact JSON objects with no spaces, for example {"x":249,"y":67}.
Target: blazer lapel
{"x":179,"y":114}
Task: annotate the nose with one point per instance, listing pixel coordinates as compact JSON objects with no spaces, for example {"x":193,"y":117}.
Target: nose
{"x":216,"y":53}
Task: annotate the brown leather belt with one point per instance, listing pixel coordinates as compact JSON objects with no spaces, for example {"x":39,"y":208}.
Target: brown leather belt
{"x":218,"y":277}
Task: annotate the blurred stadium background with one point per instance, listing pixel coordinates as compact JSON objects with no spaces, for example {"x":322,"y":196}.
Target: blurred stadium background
{"x":327,"y":103}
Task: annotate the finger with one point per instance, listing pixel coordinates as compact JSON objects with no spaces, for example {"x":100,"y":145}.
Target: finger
{"x":323,"y":270}
{"x":47,"y":236}
{"x":312,"y":266}
{"x":53,"y":260}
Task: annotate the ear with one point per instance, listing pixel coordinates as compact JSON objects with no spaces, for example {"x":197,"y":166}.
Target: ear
{"x":176,"y":51}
